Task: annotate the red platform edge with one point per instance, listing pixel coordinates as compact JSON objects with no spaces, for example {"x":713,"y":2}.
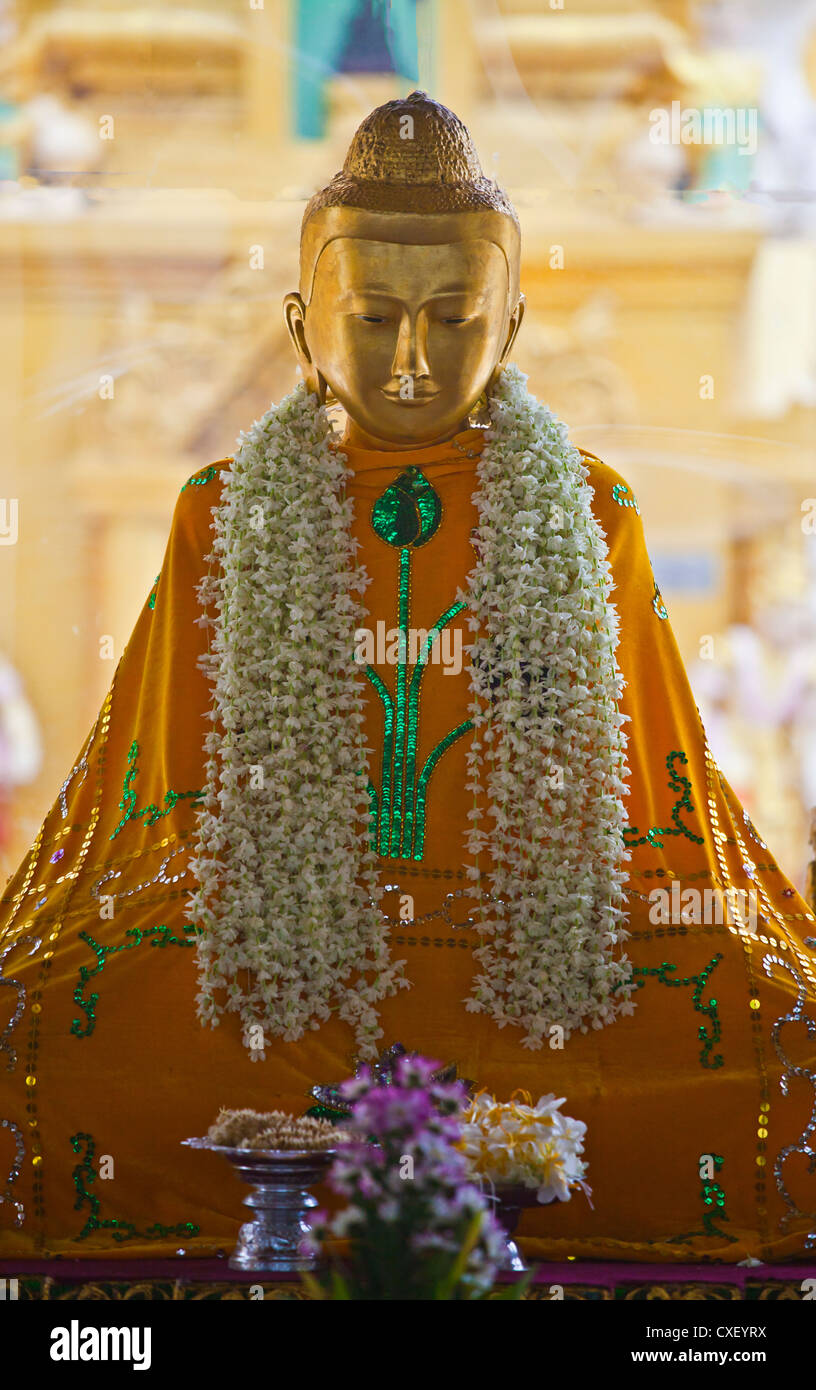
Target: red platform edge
{"x":572,"y":1272}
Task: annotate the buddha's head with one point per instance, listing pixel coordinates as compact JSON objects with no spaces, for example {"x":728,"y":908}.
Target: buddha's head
{"x":409,"y":279}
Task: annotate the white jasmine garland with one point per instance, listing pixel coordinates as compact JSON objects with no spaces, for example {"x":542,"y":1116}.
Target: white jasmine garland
{"x":288,"y":883}
{"x":547,"y":761}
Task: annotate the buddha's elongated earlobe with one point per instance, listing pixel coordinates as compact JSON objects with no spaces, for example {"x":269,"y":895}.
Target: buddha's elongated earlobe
{"x":479,"y":414}
{"x":512,"y":332}
{"x":294,"y":313}
{"x":317,"y":382}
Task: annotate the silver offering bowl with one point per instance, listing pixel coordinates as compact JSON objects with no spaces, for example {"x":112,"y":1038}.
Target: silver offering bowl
{"x":280,"y":1199}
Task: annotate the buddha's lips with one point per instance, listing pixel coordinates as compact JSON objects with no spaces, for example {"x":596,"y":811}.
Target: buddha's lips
{"x":418,"y":398}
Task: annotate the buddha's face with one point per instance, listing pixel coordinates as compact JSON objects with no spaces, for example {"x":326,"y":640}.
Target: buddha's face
{"x":406,"y":336}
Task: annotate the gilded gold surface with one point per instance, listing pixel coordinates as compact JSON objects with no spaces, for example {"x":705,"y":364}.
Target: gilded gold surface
{"x":412,"y":155}
{"x":407,"y":337}
{"x":409,"y":279}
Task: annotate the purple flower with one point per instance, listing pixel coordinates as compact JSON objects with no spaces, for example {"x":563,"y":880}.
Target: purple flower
{"x":367,"y":1186}
{"x":415,"y":1071}
{"x":408,"y":1175}
{"x":389,"y":1110}
{"x":357,"y":1086}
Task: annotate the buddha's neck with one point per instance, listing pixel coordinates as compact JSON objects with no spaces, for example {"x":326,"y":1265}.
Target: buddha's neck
{"x":358,"y":438}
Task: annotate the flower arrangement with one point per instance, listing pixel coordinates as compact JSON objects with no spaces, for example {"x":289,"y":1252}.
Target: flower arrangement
{"x":519,"y":1144}
{"x":417,"y":1226}
{"x":288,"y":887}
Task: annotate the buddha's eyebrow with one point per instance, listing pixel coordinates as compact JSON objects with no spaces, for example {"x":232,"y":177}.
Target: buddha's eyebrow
{"x":386,"y":292}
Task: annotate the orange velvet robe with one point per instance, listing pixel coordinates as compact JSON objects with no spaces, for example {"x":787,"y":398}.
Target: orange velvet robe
{"x":695,"y":1148}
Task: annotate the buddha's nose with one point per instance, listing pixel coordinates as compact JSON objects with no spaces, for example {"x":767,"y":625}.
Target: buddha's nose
{"x":411,"y":354}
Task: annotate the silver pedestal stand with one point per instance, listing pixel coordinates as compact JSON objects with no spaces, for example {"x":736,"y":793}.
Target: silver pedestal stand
{"x":509,"y":1203}
{"x":280,"y":1199}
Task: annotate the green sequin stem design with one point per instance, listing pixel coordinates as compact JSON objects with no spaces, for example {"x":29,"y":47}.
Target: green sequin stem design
{"x":422,"y":785}
{"x":206,"y":477}
{"x":714,"y":1200}
{"x":152,"y":812}
{"x":381,"y":832}
{"x":402,"y":697}
{"x":84,"y":1176}
{"x":404,"y":795}
{"x":405,"y":516}
{"x":412,"y":806}
{"x":151,"y":601}
{"x":677,"y":783}
{"x":700,"y":982}
{"x":158,"y":936}
{"x":374,"y":813}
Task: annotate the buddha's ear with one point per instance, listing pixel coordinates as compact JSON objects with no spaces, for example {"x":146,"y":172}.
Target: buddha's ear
{"x":294,"y":313}
{"x":513,"y":328}
{"x":512,"y":331}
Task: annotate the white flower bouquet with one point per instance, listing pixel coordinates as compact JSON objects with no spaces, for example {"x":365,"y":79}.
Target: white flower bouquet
{"x":518,"y":1144}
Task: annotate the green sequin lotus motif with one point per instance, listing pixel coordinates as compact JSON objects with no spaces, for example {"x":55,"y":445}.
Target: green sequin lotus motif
{"x":408,"y":512}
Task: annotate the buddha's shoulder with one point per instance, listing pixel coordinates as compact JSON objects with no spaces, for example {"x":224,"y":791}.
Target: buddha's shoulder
{"x":199,"y":496}
{"x":600,"y":474}
{"x":208,"y":477}
{"x":614,"y":496}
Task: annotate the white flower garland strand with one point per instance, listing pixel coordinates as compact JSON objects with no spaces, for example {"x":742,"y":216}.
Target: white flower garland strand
{"x":288,"y":884}
{"x":548,"y":756}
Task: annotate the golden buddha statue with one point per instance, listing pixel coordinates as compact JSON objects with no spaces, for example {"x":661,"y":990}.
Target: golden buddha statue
{"x":402,"y":748}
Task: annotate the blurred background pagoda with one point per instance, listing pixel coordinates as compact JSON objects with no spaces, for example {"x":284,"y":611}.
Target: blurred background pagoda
{"x":154,"y":165}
